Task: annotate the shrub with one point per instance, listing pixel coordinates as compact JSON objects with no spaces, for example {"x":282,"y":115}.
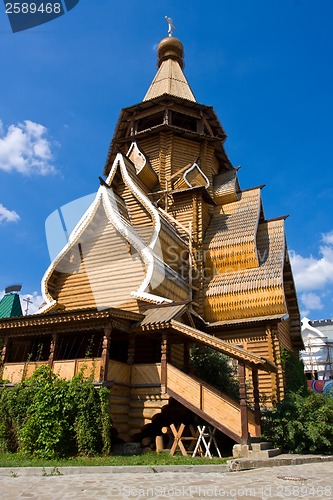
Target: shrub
{"x":50,"y":417}
{"x":302,"y":424}
{"x":294,"y":376}
{"x":214,"y":368}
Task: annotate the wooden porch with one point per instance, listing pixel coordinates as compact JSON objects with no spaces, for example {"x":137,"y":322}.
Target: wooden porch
{"x":137,"y":394}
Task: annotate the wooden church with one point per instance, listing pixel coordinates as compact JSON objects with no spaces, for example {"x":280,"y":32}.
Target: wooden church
{"x":171,"y":253}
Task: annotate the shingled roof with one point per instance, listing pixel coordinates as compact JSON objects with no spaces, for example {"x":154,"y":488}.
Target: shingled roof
{"x":170,"y":78}
{"x":257,"y":291}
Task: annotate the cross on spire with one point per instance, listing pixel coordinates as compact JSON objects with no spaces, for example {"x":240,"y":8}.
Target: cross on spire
{"x":171,"y":27}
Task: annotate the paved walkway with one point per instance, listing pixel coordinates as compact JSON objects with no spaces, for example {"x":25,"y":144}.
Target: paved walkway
{"x":307,"y":481}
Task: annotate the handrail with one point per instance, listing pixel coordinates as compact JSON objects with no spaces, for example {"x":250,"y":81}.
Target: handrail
{"x":220,"y":410}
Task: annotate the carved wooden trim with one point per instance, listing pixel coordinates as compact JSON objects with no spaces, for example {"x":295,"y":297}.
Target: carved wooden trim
{"x":53,"y":348}
{"x":164,"y":346}
{"x":105,"y":352}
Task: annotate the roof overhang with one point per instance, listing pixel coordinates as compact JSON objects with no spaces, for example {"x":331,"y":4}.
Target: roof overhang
{"x":246,"y":321}
{"x":67,"y":321}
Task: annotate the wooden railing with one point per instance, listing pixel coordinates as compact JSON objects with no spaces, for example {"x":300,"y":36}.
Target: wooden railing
{"x":68,"y":368}
{"x":214,"y":406}
{"x":122,"y":373}
{"x":146,"y":374}
{"x":119,"y":372}
{"x":15,"y":372}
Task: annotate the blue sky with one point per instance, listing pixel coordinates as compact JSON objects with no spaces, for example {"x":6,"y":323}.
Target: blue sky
{"x":266,"y":68}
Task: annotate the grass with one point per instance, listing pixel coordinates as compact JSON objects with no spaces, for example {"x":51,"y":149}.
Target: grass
{"x":17,"y":460}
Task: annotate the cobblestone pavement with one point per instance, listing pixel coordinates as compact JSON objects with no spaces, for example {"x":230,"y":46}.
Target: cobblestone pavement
{"x":307,"y":481}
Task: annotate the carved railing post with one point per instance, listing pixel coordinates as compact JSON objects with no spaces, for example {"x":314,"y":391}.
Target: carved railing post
{"x":257,"y":417}
{"x":103,"y":376}
{"x":53,"y":347}
{"x":243,"y":403}
{"x":164,"y":347}
{"x":4,"y":350}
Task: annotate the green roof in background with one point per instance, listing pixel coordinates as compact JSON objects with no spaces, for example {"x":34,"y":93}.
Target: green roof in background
{"x":10,"y":306}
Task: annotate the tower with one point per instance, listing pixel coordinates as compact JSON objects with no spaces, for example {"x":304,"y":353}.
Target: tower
{"x":171,"y":252}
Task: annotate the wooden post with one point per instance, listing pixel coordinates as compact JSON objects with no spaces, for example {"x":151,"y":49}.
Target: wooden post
{"x":275,"y":356}
{"x":164,"y":346}
{"x":257,"y":419}
{"x":131,"y":349}
{"x":103,"y":376}
{"x":53,"y":347}
{"x":4,"y":350}
{"x":243,"y":404}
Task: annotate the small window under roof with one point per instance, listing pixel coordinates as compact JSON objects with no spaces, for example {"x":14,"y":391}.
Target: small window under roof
{"x":184,"y":121}
{"x":150,"y":121}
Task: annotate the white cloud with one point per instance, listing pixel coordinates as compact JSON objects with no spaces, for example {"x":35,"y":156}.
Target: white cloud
{"x":327,"y":238}
{"x":8,"y":215}
{"x":25,"y":148}
{"x":311,"y":301}
{"x":312,"y":273}
{"x":36,"y":299}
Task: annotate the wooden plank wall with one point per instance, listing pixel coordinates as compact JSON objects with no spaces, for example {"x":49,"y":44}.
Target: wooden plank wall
{"x":284,"y":335}
{"x":119,"y":410}
{"x":146,"y":374}
{"x":182,"y":208}
{"x":101,"y":280}
{"x":184,"y":151}
{"x":119,"y":372}
{"x":150,"y":146}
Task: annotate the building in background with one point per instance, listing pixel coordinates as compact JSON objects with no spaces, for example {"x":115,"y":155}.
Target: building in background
{"x":318,"y":354}
{"x":10,"y":304}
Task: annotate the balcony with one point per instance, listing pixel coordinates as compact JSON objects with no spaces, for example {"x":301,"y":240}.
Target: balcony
{"x":144,"y":375}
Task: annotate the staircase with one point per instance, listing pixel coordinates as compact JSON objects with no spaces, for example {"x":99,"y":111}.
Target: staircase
{"x":211,"y":405}
{"x":255,"y":450}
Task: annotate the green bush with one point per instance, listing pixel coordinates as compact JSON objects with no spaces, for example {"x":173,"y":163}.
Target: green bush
{"x":294,"y":376}
{"x":49,"y":417}
{"x":214,"y":368}
{"x":301,"y":424}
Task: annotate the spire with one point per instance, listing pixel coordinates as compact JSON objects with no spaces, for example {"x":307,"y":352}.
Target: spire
{"x":170,"y":78}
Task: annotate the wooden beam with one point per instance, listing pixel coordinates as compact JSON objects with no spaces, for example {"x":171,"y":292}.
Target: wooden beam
{"x":53,"y":349}
{"x":243,"y":403}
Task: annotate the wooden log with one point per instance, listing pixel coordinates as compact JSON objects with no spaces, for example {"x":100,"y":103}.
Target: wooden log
{"x":146,"y":441}
{"x":159,"y":444}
